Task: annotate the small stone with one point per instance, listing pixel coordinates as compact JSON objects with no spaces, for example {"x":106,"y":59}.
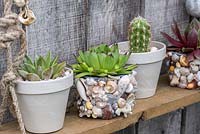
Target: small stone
{"x":183,"y":79}
{"x":184,"y":71}
{"x":190,"y":77}
{"x":89,"y":105}
{"x":192,"y":85}
{"x":182,"y":85}
{"x":183,"y":61}
{"x":107,"y":112}
{"x":177,"y":72}
{"x":198,"y":75}
{"x":175,"y":58}
{"x":101,"y":104}
{"x":178,"y":64}
{"x":174,"y":81}
{"x":194,"y":68}
{"x":171,"y":68}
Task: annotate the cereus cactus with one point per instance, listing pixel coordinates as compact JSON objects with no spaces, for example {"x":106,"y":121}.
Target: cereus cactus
{"x":139,"y":35}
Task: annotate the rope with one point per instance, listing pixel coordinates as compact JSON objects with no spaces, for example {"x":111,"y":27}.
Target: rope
{"x":11,"y":31}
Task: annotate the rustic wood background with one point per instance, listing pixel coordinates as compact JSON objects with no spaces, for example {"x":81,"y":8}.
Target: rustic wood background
{"x":66,"y":26}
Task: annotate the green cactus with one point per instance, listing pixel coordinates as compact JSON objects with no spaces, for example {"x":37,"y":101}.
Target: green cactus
{"x":139,"y":35}
{"x":42,"y":68}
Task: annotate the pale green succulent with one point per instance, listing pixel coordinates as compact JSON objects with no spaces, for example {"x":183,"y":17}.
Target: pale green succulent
{"x":42,"y":68}
{"x":102,"y":61}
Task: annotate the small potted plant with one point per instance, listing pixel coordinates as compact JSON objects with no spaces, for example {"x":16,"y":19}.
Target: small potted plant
{"x":147,"y":54}
{"x":105,"y":83}
{"x":184,"y":56}
{"x":42,"y":93}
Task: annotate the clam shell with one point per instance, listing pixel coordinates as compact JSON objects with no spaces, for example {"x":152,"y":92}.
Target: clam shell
{"x":130,"y":99}
{"x":89,"y":105}
{"x":101,"y":104}
{"x":97,"y":111}
{"x":81,"y":89}
{"x":130,"y":88}
{"x":121,"y":103}
{"x":90,"y":81}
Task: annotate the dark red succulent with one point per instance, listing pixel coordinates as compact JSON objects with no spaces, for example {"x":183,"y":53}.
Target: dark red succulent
{"x":189,"y":42}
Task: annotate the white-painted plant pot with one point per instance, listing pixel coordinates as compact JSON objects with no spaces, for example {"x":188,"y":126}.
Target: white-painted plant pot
{"x":43,"y":103}
{"x":148,"y":70}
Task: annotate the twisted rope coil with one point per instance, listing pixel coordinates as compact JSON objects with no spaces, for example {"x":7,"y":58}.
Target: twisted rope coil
{"x":11,"y":31}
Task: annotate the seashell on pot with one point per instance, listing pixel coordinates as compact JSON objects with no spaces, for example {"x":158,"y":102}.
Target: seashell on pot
{"x":101,"y":83}
{"x":174,"y":81}
{"x":123,"y":83}
{"x":121,"y":103}
{"x":198,"y":76}
{"x":89,"y":105}
{"x":107,"y":112}
{"x":97,"y":112}
{"x":194,"y":68}
{"x":192,"y":85}
{"x":175,"y":58}
{"x":131,"y":99}
{"x":125,"y":110}
{"x":110,"y":87}
{"x":190,"y":77}
{"x":182,"y":85}
{"x":81,"y":89}
{"x":183,"y":61}
{"x":130,"y":88}
{"x":90,"y":81}
{"x":177,"y":72}
{"x":101,"y":104}
{"x":184,"y":71}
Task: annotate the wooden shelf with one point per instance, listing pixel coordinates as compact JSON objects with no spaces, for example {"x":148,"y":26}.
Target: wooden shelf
{"x":167,"y":99}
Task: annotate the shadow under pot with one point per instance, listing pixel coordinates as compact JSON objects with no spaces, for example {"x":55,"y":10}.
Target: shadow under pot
{"x":106,"y":97}
{"x":183,"y":72}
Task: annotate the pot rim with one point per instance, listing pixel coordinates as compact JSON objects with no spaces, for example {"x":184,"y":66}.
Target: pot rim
{"x":45,"y":86}
{"x":46,"y":81}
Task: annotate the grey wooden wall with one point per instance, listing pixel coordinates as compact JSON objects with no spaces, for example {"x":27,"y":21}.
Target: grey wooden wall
{"x":66,"y":26}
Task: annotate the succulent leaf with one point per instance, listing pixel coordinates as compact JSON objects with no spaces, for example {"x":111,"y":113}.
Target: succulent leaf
{"x":102,"y":61}
{"x":42,"y":68}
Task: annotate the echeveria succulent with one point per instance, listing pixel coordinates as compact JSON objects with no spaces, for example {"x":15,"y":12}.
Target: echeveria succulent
{"x":42,"y":68}
{"x":102,"y":61}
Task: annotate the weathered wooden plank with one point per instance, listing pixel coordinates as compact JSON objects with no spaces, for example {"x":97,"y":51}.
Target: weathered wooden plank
{"x":129,"y":130}
{"x":59,"y":27}
{"x":191,"y":119}
{"x":167,"y":124}
{"x":166,"y":100}
{"x":108,"y":20}
{"x":160,"y":14}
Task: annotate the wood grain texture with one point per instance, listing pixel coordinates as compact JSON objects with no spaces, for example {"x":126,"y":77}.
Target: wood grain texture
{"x":191,"y":119}
{"x":160,"y":14}
{"x":167,"y":124}
{"x":108,"y":20}
{"x":59,"y":27}
{"x":165,"y":101}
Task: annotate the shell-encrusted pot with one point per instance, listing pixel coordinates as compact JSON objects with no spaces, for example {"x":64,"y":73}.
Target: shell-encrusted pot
{"x":182,"y":73}
{"x":106,"y":97}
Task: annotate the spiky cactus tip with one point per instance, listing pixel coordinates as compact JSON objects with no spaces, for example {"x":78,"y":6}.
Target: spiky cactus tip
{"x":139,"y":35}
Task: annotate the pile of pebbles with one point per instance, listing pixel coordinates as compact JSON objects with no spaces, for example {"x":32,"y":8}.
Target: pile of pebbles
{"x":182,"y":73}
